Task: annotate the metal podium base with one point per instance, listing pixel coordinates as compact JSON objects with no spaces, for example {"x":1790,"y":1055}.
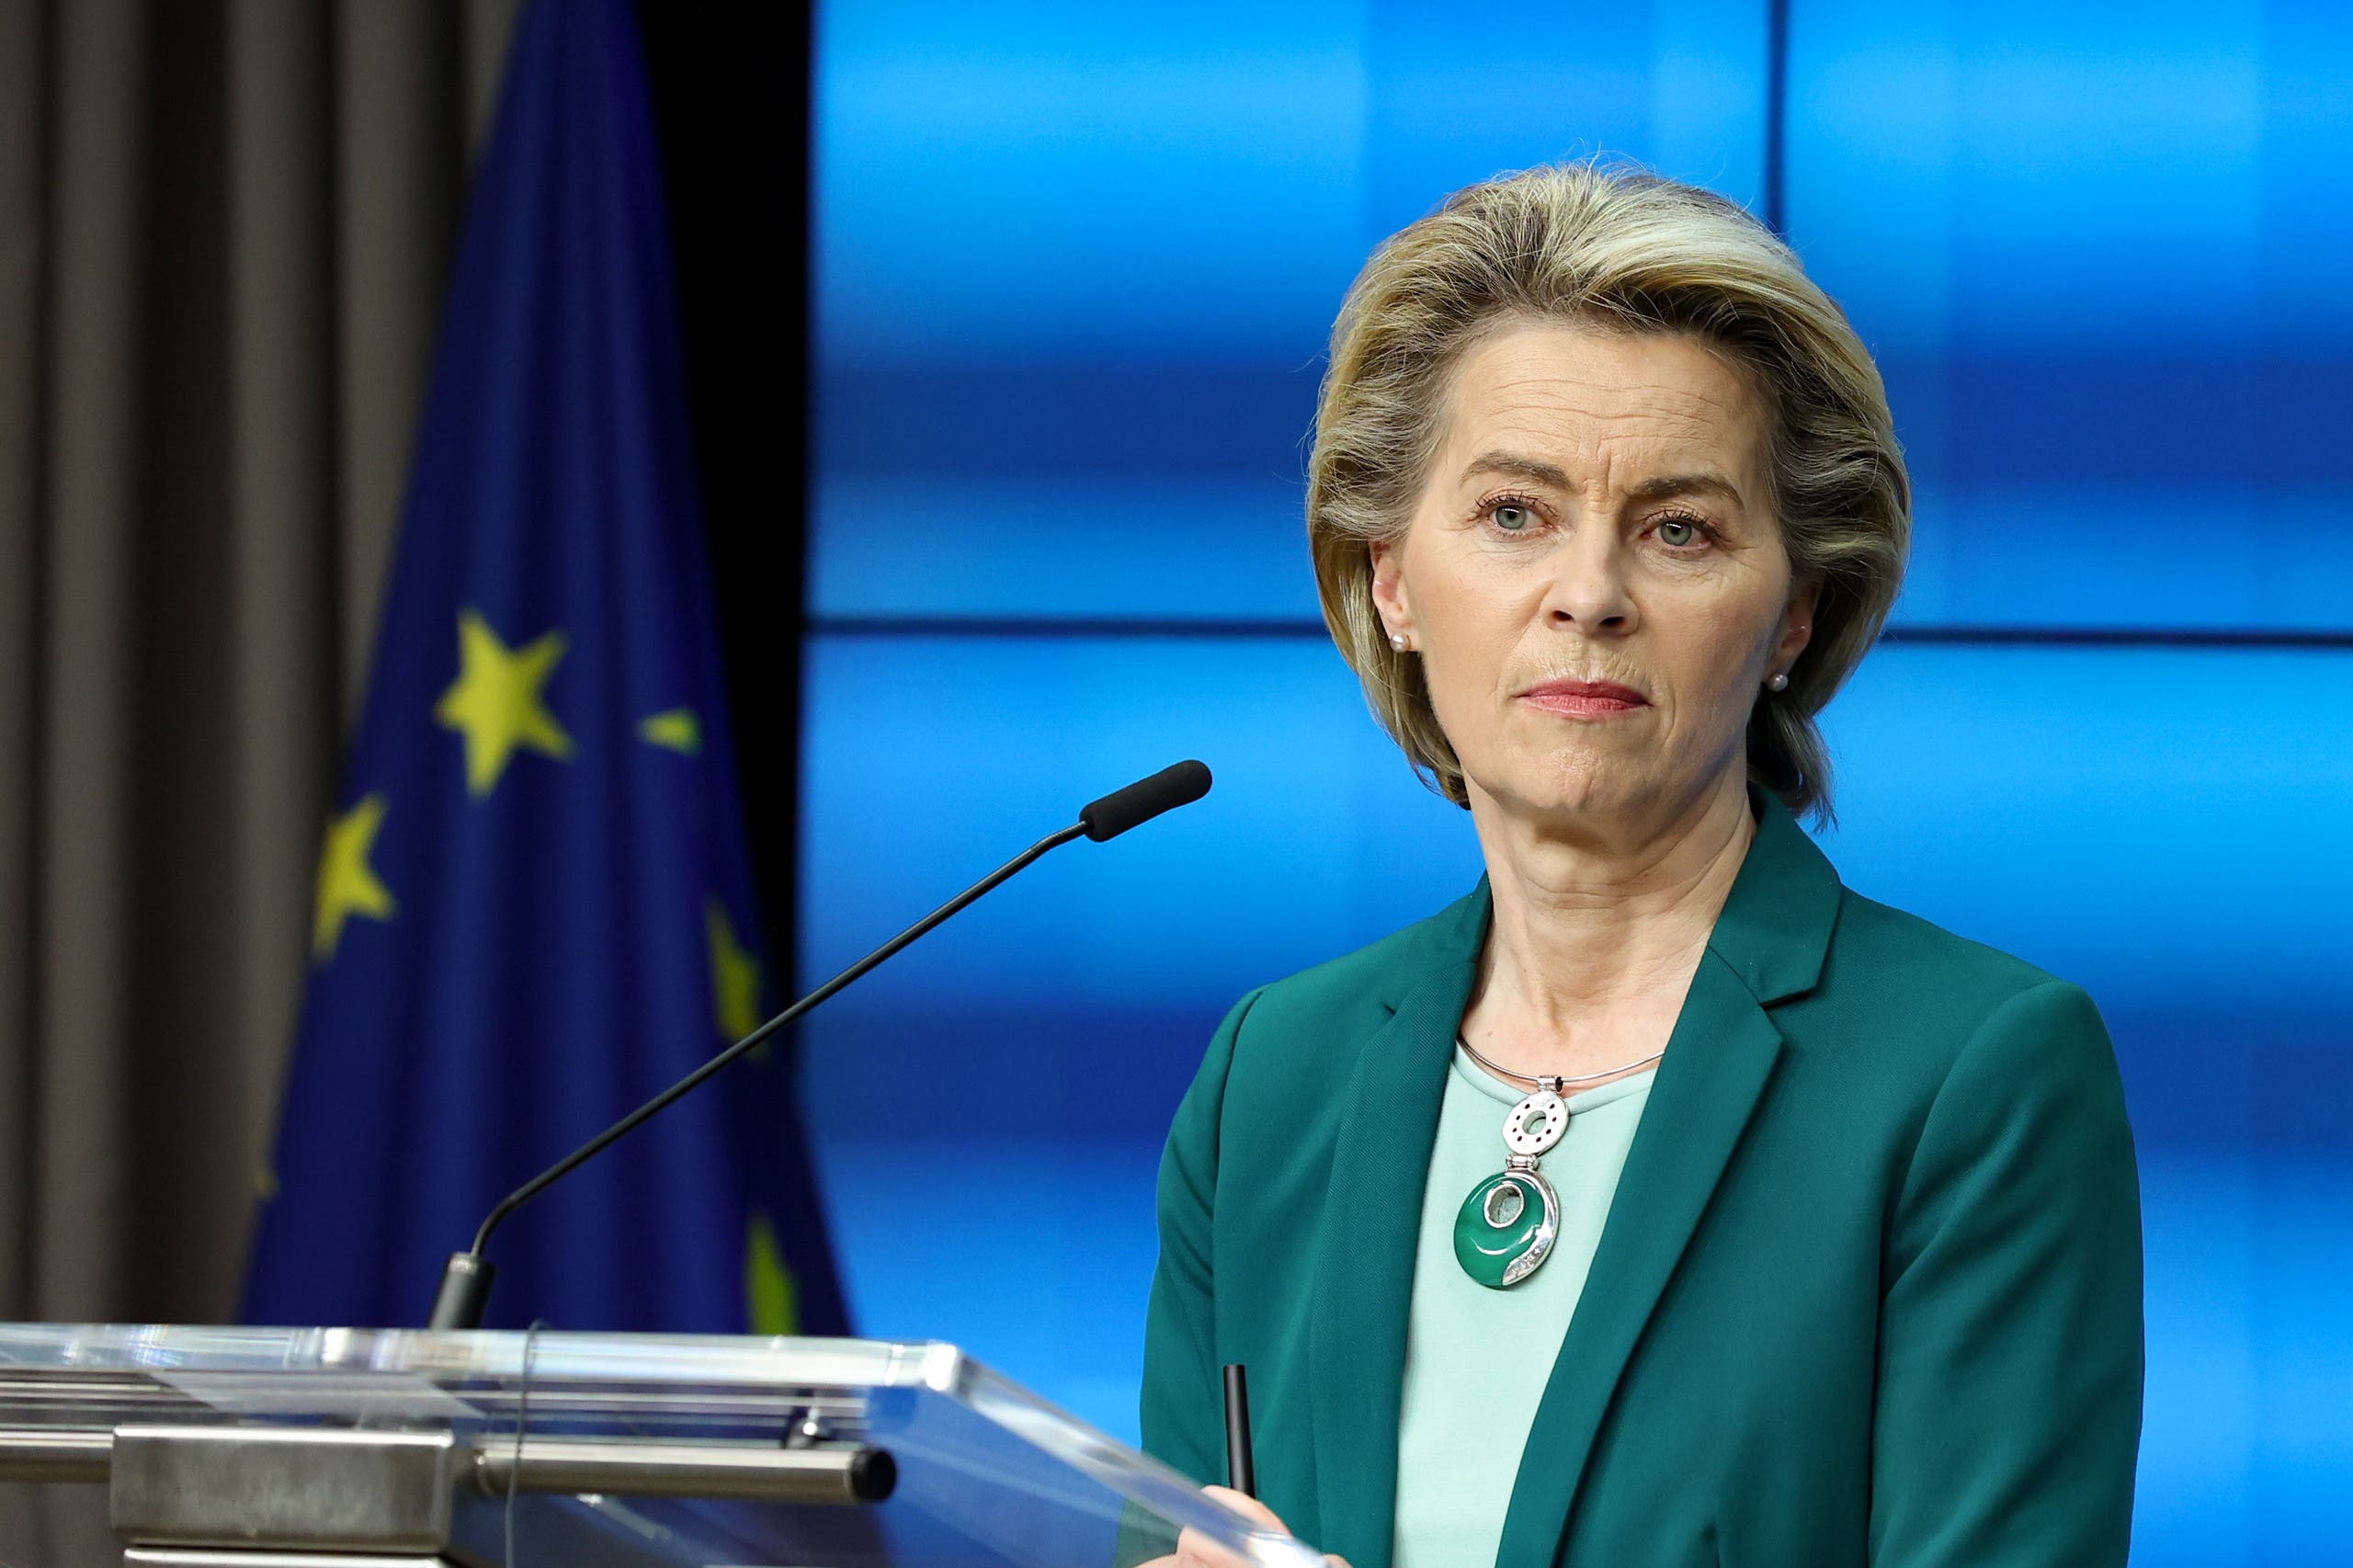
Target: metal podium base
{"x":252,"y":1489}
{"x":334,"y":1497}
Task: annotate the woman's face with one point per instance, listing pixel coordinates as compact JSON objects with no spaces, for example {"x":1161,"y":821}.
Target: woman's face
{"x":1592,"y":578}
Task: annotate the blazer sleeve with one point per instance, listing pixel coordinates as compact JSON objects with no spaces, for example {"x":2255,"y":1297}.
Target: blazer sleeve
{"x":2008,"y":1419}
{"x":1183,"y":1404}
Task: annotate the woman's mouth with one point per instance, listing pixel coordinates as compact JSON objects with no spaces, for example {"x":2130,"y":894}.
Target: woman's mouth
{"x":1584,"y":698}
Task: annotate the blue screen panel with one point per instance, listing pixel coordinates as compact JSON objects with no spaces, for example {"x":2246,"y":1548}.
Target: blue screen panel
{"x":2097,"y":250}
{"x":1076,"y":268}
{"x":1076,"y":265}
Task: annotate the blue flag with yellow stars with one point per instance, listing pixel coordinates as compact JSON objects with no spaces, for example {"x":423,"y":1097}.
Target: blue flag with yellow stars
{"x":534,"y":907}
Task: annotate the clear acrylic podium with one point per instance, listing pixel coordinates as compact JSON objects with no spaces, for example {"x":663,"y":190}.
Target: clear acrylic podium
{"x":234,"y":1448}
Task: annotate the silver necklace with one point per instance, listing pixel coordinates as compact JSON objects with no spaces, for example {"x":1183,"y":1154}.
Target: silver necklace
{"x":1555,"y":1084}
{"x":1506,"y":1228}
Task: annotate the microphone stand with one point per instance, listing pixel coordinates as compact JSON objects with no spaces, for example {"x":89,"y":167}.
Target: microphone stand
{"x":466,"y":1278}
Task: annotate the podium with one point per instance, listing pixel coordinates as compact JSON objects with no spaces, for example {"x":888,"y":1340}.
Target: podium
{"x":327,"y":1448}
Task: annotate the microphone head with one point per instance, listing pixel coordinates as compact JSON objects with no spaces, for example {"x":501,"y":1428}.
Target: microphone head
{"x":1145,"y":799}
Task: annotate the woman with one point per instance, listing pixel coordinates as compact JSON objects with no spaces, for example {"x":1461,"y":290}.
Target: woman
{"x":1662,"y":1201}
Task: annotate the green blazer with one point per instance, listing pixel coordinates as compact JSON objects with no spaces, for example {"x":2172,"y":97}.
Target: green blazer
{"x":1869,"y":1291}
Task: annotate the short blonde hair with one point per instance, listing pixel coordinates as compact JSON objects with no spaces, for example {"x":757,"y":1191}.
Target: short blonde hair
{"x":1616,"y":247}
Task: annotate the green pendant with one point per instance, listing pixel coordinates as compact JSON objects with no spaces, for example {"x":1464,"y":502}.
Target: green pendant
{"x":1506,"y":1228}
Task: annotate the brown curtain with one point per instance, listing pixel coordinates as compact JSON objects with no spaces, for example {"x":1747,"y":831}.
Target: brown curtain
{"x":223,"y":228}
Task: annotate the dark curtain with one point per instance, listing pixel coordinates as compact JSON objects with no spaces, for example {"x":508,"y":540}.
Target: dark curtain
{"x":223,"y":225}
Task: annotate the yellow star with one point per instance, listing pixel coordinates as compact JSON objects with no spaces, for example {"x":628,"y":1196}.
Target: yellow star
{"x":675,"y":728}
{"x":771,"y":1299}
{"x":734,"y":976}
{"x":496,"y":701}
{"x":346,"y":887}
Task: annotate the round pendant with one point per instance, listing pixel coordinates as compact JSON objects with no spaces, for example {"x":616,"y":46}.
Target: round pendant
{"x":1536,"y":1123}
{"x":1506,"y":1228}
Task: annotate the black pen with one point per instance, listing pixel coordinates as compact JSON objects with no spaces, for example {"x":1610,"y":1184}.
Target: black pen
{"x":1239,"y":1473}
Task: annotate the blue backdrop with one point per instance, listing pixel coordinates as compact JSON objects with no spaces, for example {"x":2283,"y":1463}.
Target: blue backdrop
{"x":1076,"y":264}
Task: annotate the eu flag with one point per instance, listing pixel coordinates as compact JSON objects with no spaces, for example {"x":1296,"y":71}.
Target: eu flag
{"x":534,"y":907}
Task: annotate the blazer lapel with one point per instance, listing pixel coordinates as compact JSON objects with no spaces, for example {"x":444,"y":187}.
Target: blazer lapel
{"x":1715,"y":1070}
{"x":1768,"y":943}
{"x":1372,"y":1218}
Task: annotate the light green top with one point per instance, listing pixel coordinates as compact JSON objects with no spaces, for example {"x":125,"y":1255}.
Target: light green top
{"x":1476,"y":1359}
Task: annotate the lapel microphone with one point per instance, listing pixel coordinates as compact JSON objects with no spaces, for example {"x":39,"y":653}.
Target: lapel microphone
{"x":466,"y":1278}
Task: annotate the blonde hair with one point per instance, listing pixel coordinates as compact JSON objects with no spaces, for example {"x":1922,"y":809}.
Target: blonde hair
{"x":1627,"y":250}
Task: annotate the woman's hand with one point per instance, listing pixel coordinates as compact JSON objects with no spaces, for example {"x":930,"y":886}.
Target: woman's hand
{"x":1192,"y":1552}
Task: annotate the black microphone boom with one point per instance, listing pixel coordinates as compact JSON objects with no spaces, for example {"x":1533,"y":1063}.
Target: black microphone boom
{"x":465,"y":1281}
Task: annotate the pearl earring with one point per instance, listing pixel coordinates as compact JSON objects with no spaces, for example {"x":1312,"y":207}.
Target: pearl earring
{"x":1779,"y":683}
{"x":1397,"y":641}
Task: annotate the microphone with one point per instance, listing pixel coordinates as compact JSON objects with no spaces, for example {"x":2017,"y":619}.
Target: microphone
{"x":466,"y":1278}
{"x":1145,"y":799}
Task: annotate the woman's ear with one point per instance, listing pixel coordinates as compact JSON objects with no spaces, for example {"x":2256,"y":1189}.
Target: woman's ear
{"x":1389,"y":596}
{"x":1797,"y":622}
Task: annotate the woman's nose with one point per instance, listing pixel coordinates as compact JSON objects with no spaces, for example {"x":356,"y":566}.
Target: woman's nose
{"x":1588,"y":589}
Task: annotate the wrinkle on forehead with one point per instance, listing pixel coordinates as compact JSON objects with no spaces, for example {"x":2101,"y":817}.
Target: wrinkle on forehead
{"x":1613,"y":398}
{"x":1575,"y":391}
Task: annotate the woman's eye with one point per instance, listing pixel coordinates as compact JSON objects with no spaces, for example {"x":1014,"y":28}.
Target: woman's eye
{"x":1679,"y":533}
{"x":1511,"y":518}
